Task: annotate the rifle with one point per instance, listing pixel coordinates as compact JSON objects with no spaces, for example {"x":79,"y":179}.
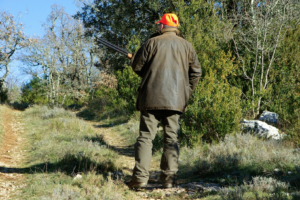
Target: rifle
{"x":114,"y":47}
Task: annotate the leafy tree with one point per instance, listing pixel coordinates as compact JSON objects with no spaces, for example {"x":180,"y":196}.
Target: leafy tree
{"x":14,"y":91}
{"x":118,"y":21}
{"x":65,"y":57}
{"x":12,"y":39}
{"x":258,"y":29}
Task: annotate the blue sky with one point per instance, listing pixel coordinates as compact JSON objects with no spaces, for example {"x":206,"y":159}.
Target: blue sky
{"x":33,"y":14}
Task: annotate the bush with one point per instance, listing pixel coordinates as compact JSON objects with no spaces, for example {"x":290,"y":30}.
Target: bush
{"x":33,"y":92}
{"x":214,"y":111}
{"x":128,"y":83}
{"x":3,"y":95}
{"x":286,"y":85}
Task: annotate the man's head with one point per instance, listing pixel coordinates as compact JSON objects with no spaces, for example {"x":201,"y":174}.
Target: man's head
{"x":168,"y":20}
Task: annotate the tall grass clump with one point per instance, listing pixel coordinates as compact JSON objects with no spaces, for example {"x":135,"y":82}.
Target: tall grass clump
{"x":62,"y":146}
{"x":240,"y":154}
{"x":44,"y":112}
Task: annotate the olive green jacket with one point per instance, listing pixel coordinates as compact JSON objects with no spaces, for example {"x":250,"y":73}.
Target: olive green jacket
{"x":169,"y":69}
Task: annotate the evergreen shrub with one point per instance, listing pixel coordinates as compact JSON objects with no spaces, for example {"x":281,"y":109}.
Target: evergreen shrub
{"x":286,"y":85}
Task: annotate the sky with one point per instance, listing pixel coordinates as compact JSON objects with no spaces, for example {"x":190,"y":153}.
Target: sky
{"x":33,"y":13}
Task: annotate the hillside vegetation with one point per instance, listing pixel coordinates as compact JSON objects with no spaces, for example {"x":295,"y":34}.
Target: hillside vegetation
{"x":249,"y":53}
{"x":250,"y":64}
{"x":61,"y":146}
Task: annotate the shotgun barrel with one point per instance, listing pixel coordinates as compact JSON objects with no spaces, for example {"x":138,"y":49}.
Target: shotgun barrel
{"x":114,"y":47}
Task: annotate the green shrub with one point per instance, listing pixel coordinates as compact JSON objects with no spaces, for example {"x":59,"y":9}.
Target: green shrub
{"x":214,"y":111}
{"x":33,"y":92}
{"x":128,"y":83}
{"x":286,"y":85}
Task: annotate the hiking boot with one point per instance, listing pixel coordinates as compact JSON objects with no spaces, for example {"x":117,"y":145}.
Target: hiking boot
{"x":168,"y":181}
{"x":167,"y":185}
{"x":135,"y":185}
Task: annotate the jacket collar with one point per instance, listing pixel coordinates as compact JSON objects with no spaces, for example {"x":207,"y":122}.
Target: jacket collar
{"x":166,"y":30}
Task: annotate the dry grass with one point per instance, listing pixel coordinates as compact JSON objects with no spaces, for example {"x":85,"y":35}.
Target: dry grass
{"x":240,"y":153}
{"x":61,"y":147}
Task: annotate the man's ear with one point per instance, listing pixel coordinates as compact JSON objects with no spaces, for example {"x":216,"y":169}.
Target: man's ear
{"x":162,"y":26}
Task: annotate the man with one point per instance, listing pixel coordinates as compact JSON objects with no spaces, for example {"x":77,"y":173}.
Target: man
{"x":170,"y":71}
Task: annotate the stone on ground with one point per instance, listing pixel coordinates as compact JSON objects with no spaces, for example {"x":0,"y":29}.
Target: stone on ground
{"x":261,"y":129}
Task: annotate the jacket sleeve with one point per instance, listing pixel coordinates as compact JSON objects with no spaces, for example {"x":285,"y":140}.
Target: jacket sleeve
{"x":139,"y":59}
{"x":195,"y":71}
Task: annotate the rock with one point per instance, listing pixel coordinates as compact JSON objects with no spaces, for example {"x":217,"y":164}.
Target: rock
{"x":180,"y":191}
{"x":211,"y":185}
{"x":212,"y":189}
{"x":200,"y":186}
{"x":261,"y":129}
{"x":269,"y":117}
{"x":78,"y":176}
{"x":119,"y":174}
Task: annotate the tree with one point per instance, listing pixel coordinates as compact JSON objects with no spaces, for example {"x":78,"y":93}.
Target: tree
{"x":12,"y":39}
{"x":258,"y":29}
{"x":118,"y":21}
{"x":13,"y":90}
{"x":65,"y":57}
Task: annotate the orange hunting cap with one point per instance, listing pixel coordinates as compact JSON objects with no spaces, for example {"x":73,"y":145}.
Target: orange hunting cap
{"x":169,"y":19}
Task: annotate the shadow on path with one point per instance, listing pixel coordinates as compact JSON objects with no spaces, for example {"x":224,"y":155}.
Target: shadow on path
{"x":121,"y":150}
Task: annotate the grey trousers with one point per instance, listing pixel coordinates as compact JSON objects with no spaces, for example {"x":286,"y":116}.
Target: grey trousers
{"x":143,"y":147}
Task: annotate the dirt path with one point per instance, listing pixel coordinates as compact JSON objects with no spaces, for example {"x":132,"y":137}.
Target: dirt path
{"x":11,"y":152}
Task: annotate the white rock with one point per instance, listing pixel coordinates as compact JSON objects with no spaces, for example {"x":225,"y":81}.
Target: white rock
{"x":261,"y":129}
{"x":78,"y":176}
{"x":269,"y":117}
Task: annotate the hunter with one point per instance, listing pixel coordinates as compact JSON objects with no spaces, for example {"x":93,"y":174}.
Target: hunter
{"x":170,"y":71}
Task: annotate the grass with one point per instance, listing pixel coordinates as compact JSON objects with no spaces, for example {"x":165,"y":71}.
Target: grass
{"x":240,"y":155}
{"x":62,"y":146}
{"x":244,"y":164}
